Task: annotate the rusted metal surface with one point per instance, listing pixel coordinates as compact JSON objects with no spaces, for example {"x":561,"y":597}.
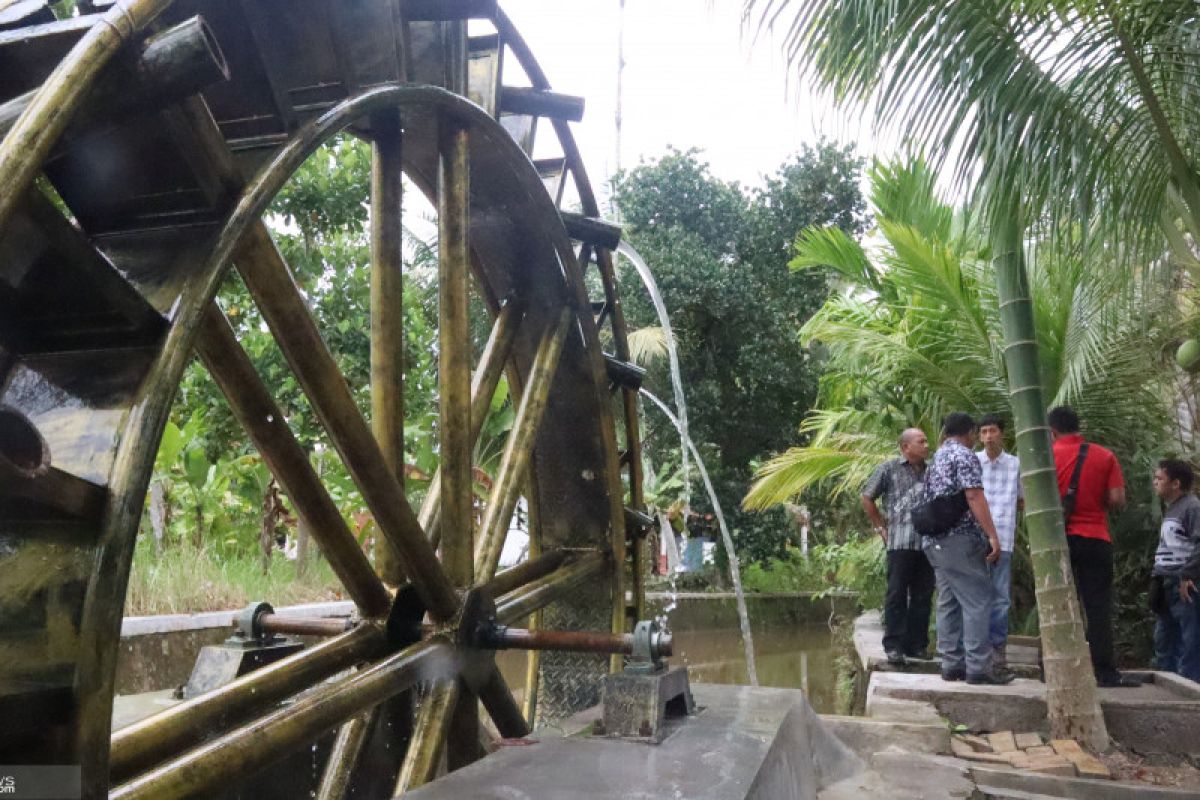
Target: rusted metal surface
{"x":304,"y":626}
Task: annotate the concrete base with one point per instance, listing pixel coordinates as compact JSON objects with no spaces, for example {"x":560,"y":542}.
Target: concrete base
{"x":868,"y":643}
{"x":745,"y":742}
{"x":869,"y":736}
{"x":637,"y":705}
{"x":1147,"y":719}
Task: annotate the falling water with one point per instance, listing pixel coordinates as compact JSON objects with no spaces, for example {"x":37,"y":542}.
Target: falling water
{"x":664,"y":321}
{"x":734,"y":570}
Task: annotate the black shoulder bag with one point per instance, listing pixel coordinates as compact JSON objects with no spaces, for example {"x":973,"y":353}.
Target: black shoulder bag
{"x":1068,"y":499}
{"x":936,"y":516}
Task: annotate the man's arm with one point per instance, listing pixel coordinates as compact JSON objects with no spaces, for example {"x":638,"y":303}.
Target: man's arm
{"x":1191,"y":570}
{"x":1114,"y":497}
{"x":878,"y":523}
{"x":983,"y":515}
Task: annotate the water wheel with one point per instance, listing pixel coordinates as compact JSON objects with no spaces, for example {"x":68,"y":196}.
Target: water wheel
{"x":142,"y":141}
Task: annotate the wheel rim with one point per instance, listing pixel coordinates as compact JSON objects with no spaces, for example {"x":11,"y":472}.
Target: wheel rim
{"x":520,"y":252}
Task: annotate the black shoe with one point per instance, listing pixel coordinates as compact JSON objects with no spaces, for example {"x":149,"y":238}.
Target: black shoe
{"x":1118,"y":681}
{"x":920,"y":655}
{"x":896,"y":658}
{"x":954,"y":674}
{"x":996,"y":678}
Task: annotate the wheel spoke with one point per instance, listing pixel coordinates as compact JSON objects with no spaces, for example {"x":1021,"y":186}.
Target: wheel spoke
{"x":483,"y":389}
{"x":498,"y":699}
{"x":201,"y":771}
{"x":256,"y":410}
{"x":518,"y":449}
{"x":343,"y":756}
{"x":270,"y":282}
{"x":454,"y":393}
{"x":387,"y":308}
{"x":518,"y":604}
{"x":147,"y":742}
{"x":429,"y":737}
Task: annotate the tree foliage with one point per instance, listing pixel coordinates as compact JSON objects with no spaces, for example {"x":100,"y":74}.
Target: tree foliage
{"x":719,"y":253}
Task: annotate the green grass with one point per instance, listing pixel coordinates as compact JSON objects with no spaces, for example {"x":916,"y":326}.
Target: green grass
{"x":185,"y":580}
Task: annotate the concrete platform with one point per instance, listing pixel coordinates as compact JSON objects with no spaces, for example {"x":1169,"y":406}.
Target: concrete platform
{"x":746,"y":742}
{"x":1147,"y":719}
{"x":868,"y":643}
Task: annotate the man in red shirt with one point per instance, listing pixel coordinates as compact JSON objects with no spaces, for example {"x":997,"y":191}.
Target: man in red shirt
{"x":1101,"y":489}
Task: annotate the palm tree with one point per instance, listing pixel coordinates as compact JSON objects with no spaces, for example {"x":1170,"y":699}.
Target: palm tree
{"x":918,"y":331}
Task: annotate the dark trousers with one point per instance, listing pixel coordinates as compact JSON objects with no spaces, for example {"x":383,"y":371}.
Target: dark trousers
{"x":1092,"y":564}
{"x":909,"y":599}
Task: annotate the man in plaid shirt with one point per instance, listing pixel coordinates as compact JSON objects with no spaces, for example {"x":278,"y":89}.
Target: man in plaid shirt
{"x":1005,"y":497}
{"x":909,"y":576}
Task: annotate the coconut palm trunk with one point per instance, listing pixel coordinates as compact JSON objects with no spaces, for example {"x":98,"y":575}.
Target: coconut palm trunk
{"x":1071,"y":698}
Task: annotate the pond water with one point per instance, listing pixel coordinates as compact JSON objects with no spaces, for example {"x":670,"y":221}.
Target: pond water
{"x":793,"y":644}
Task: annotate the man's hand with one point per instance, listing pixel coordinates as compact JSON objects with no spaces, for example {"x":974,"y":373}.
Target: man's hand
{"x":1186,"y":588}
{"x":881,"y":532}
{"x":994,"y":554}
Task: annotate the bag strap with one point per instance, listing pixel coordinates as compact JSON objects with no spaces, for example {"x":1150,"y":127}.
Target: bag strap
{"x":1068,"y":500}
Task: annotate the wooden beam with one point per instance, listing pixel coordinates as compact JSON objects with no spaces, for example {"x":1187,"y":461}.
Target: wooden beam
{"x":448,"y":10}
{"x":387,"y":309}
{"x":255,"y":408}
{"x":592,"y":230}
{"x":483,"y":388}
{"x":518,"y":449}
{"x":541,"y":103}
{"x":270,"y":282}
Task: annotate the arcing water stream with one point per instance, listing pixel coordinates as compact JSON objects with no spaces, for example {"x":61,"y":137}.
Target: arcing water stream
{"x":734,"y":571}
{"x":664,"y":321}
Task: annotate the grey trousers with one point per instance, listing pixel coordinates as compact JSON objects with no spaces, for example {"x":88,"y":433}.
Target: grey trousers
{"x":964,"y":602}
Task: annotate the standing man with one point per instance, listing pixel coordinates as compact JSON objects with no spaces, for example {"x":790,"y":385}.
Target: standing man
{"x":1090,"y":490}
{"x":909,"y":576}
{"x":960,"y":558}
{"x":1176,"y":569}
{"x":1002,"y":488}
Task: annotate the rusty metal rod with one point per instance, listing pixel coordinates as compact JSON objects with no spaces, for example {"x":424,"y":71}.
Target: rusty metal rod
{"x":518,"y":449}
{"x":303,"y":626}
{"x":540,"y":593}
{"x":202,"y":771}
{"x":260,"y":416}
{"x":145,"y":743}
{"x":503,"y":638}
{"x":516,"y":577}
{"x":483,"y":389}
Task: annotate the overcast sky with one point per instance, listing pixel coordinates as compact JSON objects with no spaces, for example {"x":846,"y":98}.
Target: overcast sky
{"x":694,"y":77}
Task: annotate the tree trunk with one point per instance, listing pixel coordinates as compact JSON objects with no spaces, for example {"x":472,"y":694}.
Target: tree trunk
{"x":303,"y":540}
{"x":1071,"y":697}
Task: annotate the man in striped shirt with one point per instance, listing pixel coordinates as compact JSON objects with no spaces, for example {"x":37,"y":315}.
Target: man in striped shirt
{"x":1176,"y":569}
{"x":1002,"y":488}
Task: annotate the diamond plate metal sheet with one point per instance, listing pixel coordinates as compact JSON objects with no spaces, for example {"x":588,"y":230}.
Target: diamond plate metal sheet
{"x":570,"y":682}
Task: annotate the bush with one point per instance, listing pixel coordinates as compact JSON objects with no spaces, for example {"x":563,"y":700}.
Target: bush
{"x":858,"y":565}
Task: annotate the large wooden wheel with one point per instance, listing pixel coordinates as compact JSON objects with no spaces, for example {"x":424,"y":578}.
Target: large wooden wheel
{"x":141,"y":146}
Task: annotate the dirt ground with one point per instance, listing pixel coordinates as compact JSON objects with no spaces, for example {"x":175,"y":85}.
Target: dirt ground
{"x":1132,"y":768}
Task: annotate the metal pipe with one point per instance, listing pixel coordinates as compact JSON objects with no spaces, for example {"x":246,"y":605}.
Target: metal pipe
{"x":518,"y":449}
{"x":28,"y":143}
{"x":502,"y":638}
{"x":145,"y":743}
{"x":540,"y":593}
{"x":516,"y":577}
{"x":303,"y":626}
{"x":200,"y":772}
{"x":502,"y":707}
{"x":260,"y":416}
